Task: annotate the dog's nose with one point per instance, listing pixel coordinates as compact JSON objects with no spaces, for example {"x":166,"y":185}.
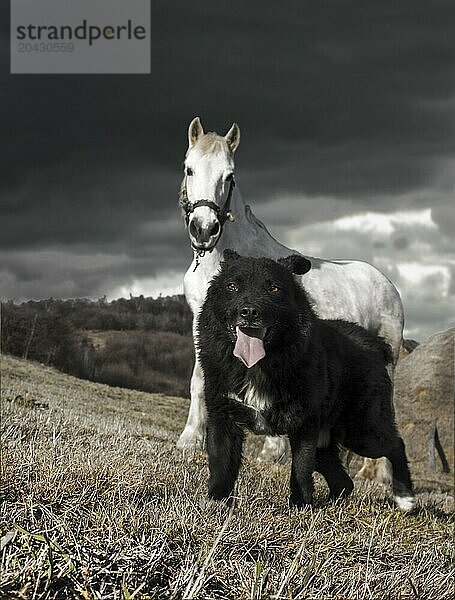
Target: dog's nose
{"x":249,"y":312}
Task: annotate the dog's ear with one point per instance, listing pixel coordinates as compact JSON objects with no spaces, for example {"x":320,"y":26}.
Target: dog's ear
{"x":229,"y":254}
{"x":295,"y":263}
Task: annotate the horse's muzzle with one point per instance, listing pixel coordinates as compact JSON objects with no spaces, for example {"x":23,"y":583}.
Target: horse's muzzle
{"x":204,"y":236}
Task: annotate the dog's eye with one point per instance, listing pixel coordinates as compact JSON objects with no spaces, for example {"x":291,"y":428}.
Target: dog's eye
{"x":189,"y":171}
{"x":274,"y":288}
{"x":232,"y":286}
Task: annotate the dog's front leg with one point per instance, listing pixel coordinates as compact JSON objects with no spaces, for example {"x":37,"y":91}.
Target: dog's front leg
{"x":224,"y":447}
{"x":303,"y":447}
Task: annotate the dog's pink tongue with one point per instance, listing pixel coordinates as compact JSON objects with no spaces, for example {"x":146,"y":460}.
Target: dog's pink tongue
{"x":249,"y":347}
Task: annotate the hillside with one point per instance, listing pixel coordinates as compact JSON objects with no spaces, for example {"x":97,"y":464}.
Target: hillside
{"x":140,"y":343}
{"x":99,"y":504}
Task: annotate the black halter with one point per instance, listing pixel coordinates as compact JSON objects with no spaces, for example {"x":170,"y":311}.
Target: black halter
{"x":223,"y":213}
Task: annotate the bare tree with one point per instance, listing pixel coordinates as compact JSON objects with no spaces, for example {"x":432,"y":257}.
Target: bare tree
{"x":30,"y":337}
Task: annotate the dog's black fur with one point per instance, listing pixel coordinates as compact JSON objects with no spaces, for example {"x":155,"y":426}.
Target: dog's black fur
{"x":323,"y":383}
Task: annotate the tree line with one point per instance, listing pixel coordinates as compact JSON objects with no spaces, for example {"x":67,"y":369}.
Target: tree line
{"x":140,"y":343}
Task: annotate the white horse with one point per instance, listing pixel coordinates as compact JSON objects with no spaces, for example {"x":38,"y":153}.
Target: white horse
{"x":217,"y":218}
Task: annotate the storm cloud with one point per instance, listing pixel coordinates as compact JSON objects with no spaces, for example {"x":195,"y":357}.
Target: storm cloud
{"x":346,"y":109}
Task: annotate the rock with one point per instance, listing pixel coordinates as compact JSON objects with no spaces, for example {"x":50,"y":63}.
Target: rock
{"x":424,"y":401}
{"x":407,"y":347}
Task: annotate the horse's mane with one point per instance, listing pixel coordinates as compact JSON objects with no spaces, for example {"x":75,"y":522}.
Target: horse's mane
{"x":252,"y":218}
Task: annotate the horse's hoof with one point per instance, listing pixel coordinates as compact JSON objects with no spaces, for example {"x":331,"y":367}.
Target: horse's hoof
{"x":379,"y":470}
{"x":191,"y":439}
{"x":268,"y":457}
{"x":274,"y":450}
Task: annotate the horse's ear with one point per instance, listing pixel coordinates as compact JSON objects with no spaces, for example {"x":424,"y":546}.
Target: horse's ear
{"x":195,"y":130}
{"x":232,"y":137}
{"x":229,"y":254}
{"x":295,"y":263}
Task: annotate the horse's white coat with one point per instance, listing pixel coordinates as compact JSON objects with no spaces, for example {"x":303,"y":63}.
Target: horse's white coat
{"x":344,"y":289}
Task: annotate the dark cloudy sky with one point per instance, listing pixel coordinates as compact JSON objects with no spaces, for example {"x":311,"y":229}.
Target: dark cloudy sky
{"x":347,"y":118}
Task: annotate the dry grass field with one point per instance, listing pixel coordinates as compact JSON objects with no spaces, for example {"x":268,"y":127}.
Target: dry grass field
{"x":98,"y":504}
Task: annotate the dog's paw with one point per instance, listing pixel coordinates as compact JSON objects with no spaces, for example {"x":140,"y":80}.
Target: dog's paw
{"x":406,"y":504}
{"x":299,"y":503}
{"x":216,"y":505}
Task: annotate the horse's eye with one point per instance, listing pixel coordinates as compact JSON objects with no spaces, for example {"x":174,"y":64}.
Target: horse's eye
{"x":232,"y":286}
{"x":274,"y":288}
{"x":189,"y":171}
{"x":230,"y":177}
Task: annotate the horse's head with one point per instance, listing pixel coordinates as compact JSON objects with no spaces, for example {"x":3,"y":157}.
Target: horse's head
{"x":208,"y":183}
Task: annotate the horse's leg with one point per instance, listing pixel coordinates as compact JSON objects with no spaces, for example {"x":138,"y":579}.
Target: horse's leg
{"x":275,"y":449}
{"x":391,"y":330}
{"x":193,"y":436}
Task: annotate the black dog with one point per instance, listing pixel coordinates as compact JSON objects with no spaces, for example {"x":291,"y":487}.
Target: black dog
{"x":270,"y":365}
